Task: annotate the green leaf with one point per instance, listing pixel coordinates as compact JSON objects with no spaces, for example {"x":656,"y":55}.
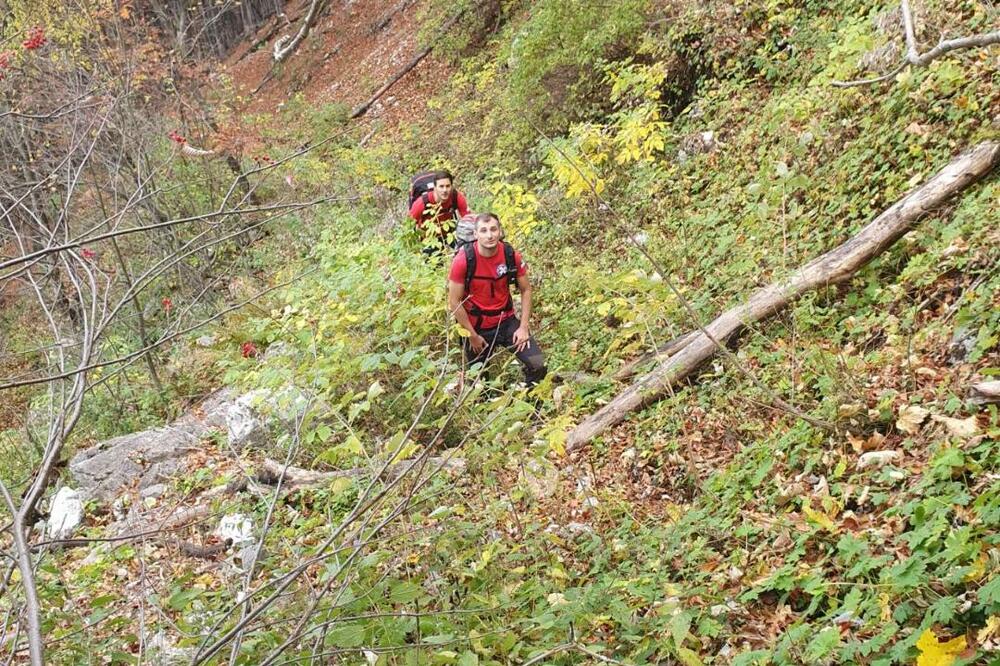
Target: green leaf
{"x":439,"y":639}
{"x":346,"y":635}
{"x":468,"y":658}
{"x":680,"y":624}
{"x":990,"y":593}
{"x":689,"y":657}
{"x":823,"y":645}
{"x":404,"y":592}
{"x":180,"y":599}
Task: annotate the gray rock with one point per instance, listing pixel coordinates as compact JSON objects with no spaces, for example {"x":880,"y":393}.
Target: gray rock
{"x":155,"y":490}
{"x":540,"y":479}
{"x":696,"y":143}
{"x":162,"y":652}
{"x":150,"y":457}
{"x":245,"y":426}
{"x":962,"y":342}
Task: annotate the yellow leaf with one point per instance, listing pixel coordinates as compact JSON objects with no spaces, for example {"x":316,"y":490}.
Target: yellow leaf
{"x":935,"y":653}
{"x":408,"y":450}
{"x":819,"y":518}
{"x":557,"y":441}
{"x":978,"y":568}
{"x":991,"y":629}
{"x":885,"y":606}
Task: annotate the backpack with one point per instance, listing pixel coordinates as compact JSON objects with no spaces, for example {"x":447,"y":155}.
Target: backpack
{"x":465,"y":231}
{"x":421,"y":184}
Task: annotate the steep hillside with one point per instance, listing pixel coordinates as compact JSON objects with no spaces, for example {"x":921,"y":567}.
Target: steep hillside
{"x":825,"y":491}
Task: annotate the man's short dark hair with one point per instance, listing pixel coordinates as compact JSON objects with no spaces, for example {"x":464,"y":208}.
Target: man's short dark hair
{"x":486,"y":217}
{"x":439,"y":175}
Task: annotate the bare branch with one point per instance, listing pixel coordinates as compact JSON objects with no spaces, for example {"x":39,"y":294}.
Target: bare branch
{"x":916,"y":59}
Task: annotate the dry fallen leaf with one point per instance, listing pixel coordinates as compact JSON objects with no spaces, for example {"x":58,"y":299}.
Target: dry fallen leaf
{"x":910,"y":419}
{"x":963,"y":428}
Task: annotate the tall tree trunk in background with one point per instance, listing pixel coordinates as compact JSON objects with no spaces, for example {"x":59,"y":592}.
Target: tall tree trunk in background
{"x":286,"y":46}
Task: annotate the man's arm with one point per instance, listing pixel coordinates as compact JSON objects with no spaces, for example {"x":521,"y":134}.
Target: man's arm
{"x":417,"y":212}
{"x":456,"y":294}
{"x":462,"y":203}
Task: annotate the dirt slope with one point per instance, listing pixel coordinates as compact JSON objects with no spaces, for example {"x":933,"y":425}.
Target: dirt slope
{"x":355,"y":47}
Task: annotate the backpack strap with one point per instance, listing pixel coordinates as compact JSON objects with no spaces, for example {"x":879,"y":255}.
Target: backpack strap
{"x":470,"y":264}
{"x":509,"y":257}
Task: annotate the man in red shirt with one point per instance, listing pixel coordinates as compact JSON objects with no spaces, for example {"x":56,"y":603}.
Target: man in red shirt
{"x":482,"y":303}
{"x":435,"y":212}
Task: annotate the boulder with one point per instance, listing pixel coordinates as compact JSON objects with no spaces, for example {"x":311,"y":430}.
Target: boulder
{"x":149,"y":457}
{"x":244,"y":424}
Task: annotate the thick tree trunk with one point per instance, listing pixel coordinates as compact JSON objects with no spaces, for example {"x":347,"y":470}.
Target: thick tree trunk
{"x":835,"y":266}
{"x":661,"y":353}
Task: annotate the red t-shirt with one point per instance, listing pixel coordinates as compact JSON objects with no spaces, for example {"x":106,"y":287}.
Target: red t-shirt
{"x":489,"y":294}
{"x":446,"y":211}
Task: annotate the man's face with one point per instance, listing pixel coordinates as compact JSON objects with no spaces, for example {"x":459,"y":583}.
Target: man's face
{"x":442,"y":189}
{"x":488,"y":234}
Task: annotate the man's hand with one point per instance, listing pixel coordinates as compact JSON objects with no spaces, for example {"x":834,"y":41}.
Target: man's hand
{"x":478,"y":342}
{"x":522,"y":338}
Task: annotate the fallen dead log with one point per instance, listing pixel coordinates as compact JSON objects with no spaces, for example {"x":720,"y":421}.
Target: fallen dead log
{"x":296,"y":477}
{"x":661,"y":353}
{"x":835,"y":266}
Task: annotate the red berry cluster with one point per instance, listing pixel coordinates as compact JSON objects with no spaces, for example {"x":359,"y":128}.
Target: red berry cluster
{"x":167,"y":304}
{"x":249,"y":349}
{"x":36,"y":39}
{"x":263,"y":159}
{"x":176,"y":137}
{"x":88,"y":254}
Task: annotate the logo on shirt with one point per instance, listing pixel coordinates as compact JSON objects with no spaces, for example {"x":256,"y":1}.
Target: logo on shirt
{"x":501,"y":270}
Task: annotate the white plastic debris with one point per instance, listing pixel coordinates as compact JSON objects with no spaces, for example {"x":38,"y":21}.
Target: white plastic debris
{"x":66,"y":514}
{"x":236,"y":528}
{"x":877,"y":458}
{"x":205,"y":341}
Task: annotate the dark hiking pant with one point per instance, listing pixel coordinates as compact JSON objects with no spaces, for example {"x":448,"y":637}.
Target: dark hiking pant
{"x":532,"y":360}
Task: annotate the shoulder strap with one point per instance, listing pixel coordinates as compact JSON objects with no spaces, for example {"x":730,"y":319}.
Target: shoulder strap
{"x":470,"y":264}
{"x":508,"y":255}
{"x":426,"y":198}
